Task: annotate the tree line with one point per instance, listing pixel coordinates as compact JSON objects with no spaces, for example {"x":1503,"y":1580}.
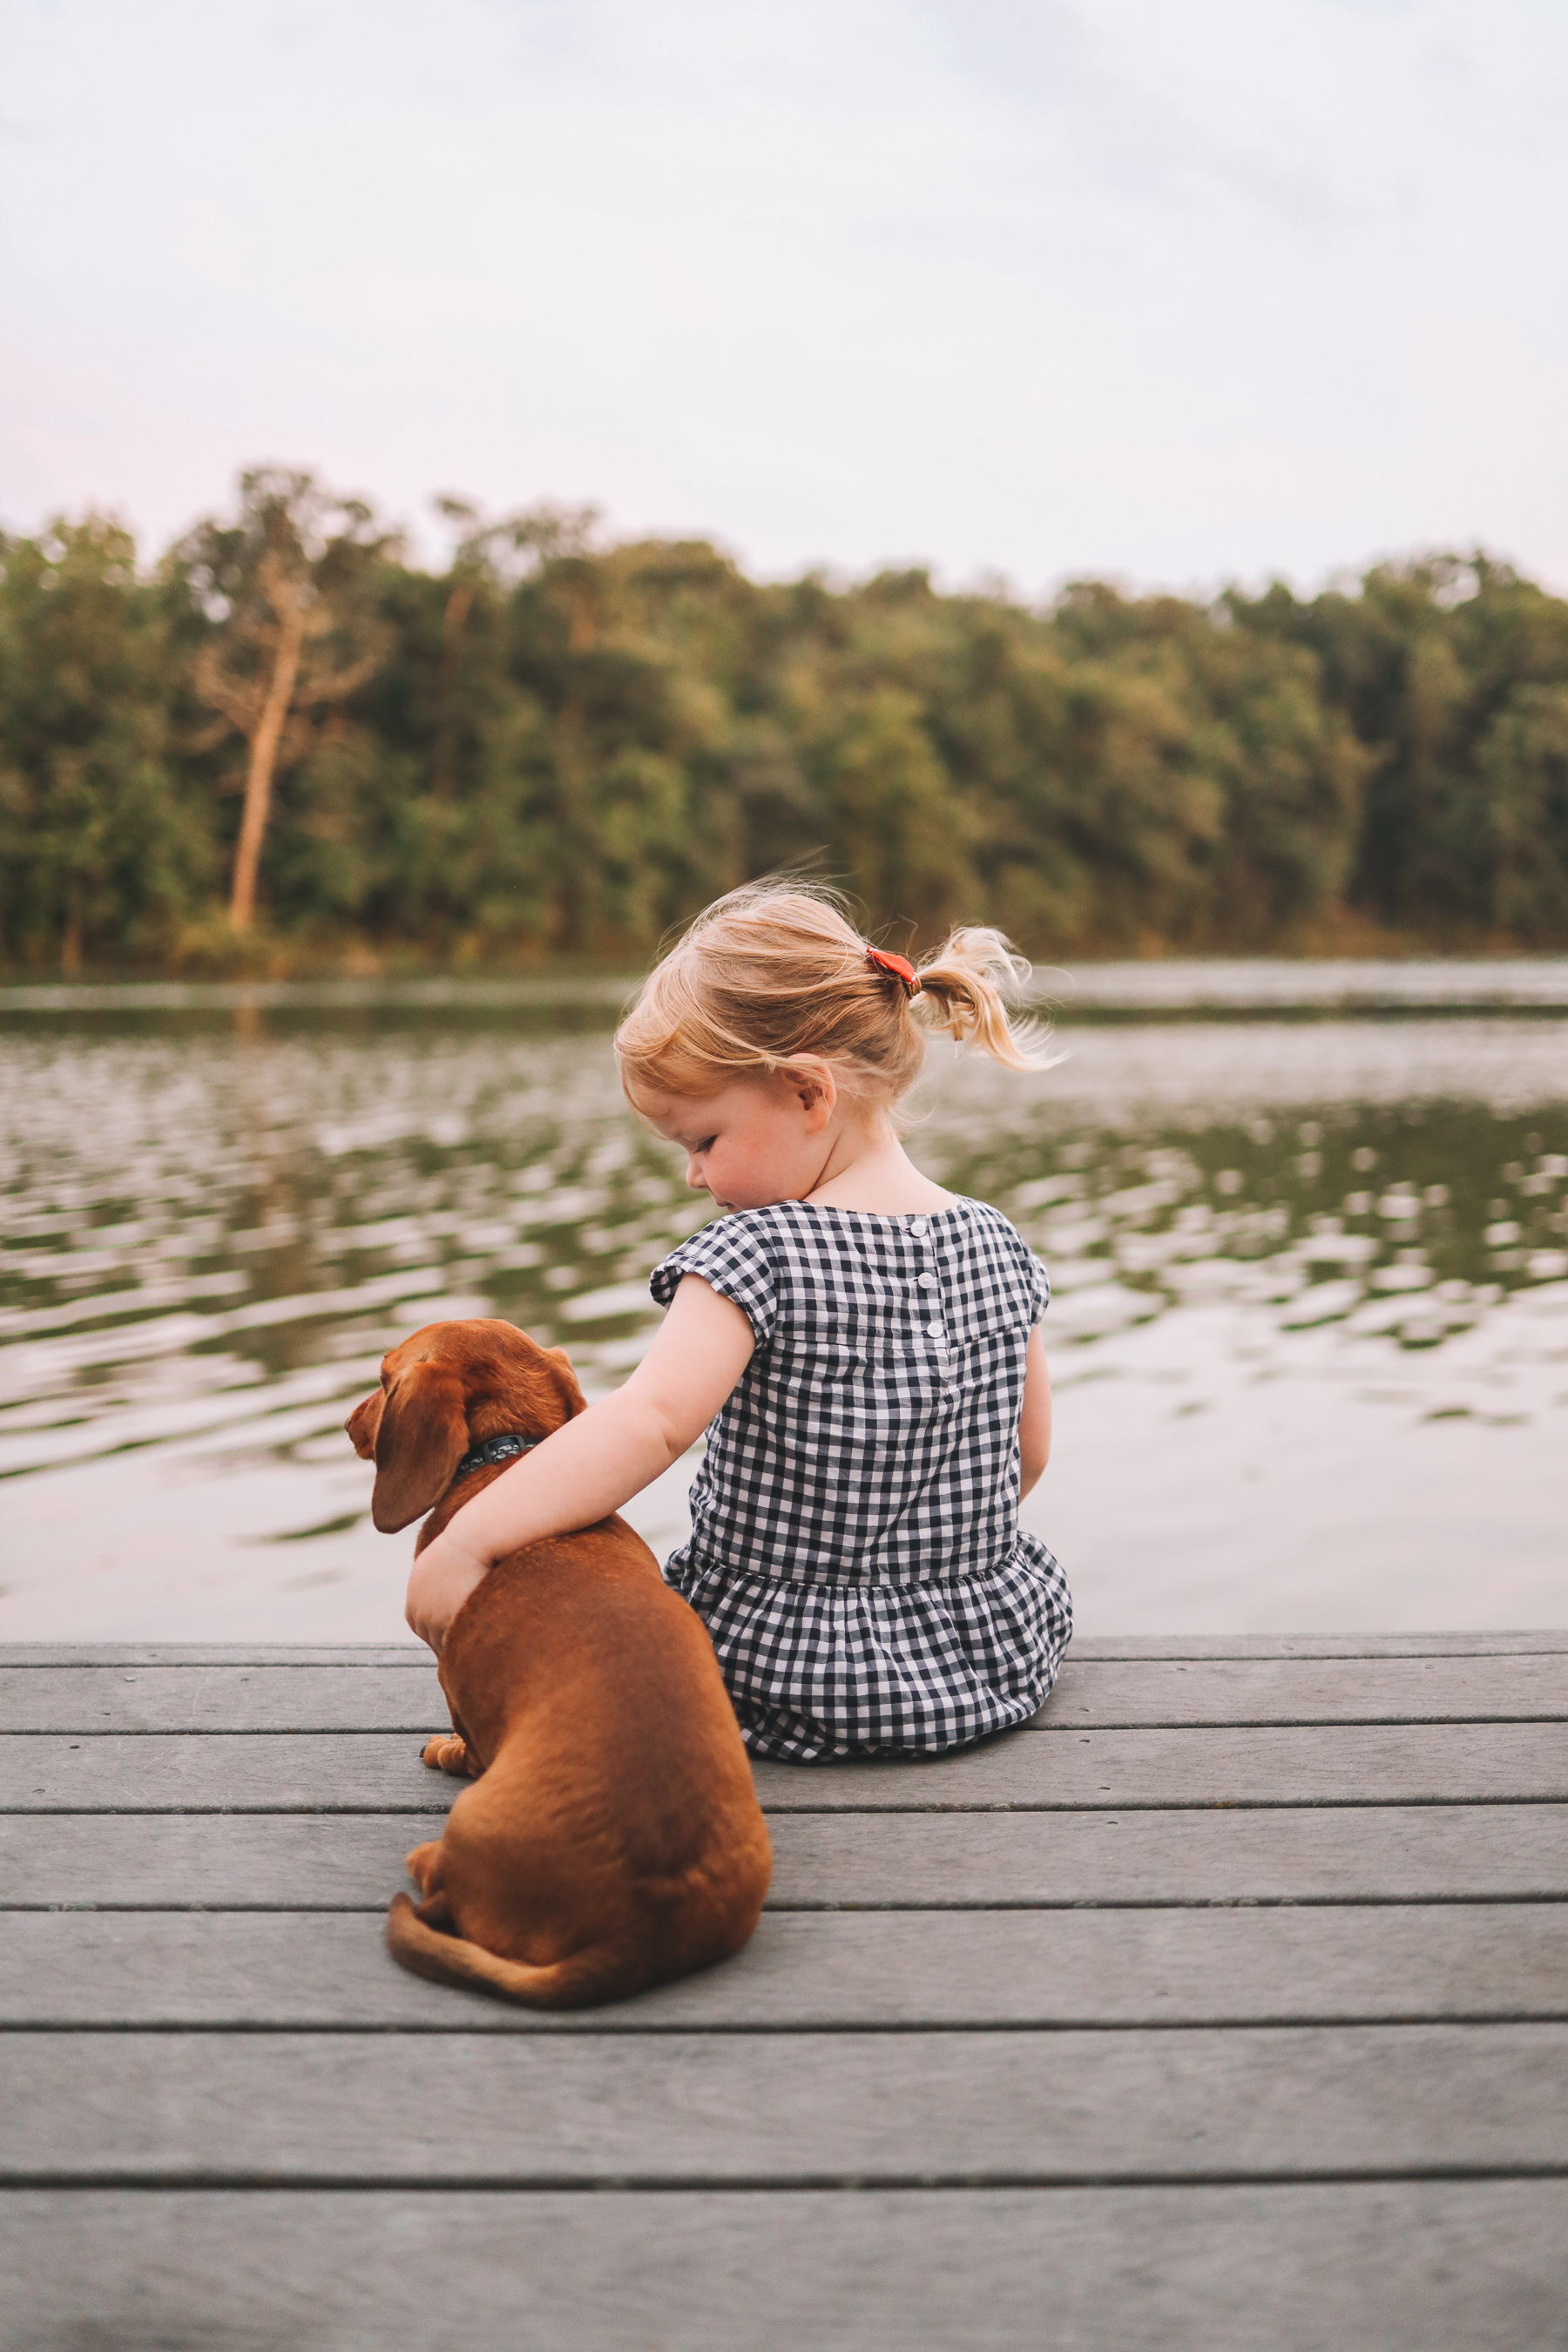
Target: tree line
{"x":285,"y":744}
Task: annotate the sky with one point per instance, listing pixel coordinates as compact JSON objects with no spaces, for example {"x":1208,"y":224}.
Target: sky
{"x":1172,"y":292}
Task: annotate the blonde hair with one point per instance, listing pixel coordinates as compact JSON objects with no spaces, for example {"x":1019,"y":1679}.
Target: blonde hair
{"x":775,"y":974}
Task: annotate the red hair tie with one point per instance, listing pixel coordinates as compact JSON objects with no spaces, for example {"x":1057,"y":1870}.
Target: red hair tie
{"x":898,"y":966}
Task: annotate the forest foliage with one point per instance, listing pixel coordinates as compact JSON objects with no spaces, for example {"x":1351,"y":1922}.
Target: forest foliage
{"x":558,"y":746}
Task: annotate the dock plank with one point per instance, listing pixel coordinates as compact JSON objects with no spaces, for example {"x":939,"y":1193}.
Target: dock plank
{"x":237,"y":1771}
{"x":406,"y":1653}
{"x":1306,"y":1690}
{"x":908,"y":1861}
{"x":1089,"y":1696}
{"x":79,"y":1700}
{"x":896,"y":1971}
{"x":1094,"y":1648}
{"x":382,"y":1771}
{"x":1087,"y":1648}
{"x":1003,"y":2108}
{"x":1404,"y":2265}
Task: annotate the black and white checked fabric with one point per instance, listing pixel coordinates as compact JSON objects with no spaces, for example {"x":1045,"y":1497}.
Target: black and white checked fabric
{"x":855,"y":1548}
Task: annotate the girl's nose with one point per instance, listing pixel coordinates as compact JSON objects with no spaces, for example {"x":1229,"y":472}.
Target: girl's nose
{"x":696,"y":1181}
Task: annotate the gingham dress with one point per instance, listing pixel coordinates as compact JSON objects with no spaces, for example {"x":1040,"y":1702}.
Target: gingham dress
{"x":855,"y":1550}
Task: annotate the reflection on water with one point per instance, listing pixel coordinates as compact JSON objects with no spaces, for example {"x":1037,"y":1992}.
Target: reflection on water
{"x":1309,"y":1335}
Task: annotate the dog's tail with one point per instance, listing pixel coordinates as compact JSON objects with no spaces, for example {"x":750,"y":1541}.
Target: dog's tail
{"x":571,"y":1983}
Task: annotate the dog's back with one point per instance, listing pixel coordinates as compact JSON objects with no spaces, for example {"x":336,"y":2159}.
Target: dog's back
{"x":613,"y":1839}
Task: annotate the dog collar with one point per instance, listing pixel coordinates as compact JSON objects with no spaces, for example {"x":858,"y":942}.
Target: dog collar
{"x":493,"y":1450}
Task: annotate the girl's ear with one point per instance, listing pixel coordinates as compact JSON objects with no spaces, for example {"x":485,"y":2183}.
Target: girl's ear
{"x":813,"y":1085}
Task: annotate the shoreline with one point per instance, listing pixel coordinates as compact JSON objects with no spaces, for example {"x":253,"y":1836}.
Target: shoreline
{"x":1118,"y":988}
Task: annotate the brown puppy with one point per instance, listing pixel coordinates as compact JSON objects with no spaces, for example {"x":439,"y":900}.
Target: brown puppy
{"x":615,"y":1840}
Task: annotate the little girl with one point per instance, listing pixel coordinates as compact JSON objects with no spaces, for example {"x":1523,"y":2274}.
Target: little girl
{"x":861,"y":1347}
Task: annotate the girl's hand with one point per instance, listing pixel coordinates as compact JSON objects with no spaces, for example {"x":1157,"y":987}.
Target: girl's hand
{"x":443,"y":1577}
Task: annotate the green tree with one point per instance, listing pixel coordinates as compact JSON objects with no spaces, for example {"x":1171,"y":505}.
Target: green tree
{"x":293,"y":635}
{"x":1523,"y":776}
{"x":100,"y":852}
{"x":1419,"y":658}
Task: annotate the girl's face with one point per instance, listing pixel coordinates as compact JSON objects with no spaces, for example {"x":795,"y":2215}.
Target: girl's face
{"x":752,"y":1144}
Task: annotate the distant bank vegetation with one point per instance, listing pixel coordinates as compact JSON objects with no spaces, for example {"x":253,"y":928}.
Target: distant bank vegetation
{"x":286,"y":746}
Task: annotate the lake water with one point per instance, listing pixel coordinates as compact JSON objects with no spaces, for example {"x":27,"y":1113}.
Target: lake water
{"x":1309,"y":1338}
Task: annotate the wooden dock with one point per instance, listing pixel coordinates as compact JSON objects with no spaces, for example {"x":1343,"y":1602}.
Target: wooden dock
{"x":1226,"y":2004}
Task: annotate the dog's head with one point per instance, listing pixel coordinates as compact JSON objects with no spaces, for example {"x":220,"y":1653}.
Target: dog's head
{"x":446,"y":1391}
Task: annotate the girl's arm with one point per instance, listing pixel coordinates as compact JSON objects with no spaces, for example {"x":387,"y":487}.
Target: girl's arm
{"x":1035,"y":1422}
{"x":592,"y":1466}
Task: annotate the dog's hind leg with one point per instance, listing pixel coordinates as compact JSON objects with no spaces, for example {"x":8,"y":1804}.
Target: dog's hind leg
{"x":449,"y":1752}
{"x":421,"y":1863}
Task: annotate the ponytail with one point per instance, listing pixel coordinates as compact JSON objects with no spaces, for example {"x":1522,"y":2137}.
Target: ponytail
{"x":968,"y":979}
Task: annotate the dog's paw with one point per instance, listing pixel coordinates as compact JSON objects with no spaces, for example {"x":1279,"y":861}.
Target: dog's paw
{"x":420,"y":1863}
{"x":447,"y":1753}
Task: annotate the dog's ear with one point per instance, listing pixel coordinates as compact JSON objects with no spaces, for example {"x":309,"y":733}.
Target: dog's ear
{"x":422,"y":1436}
{"x":363,"y":1423}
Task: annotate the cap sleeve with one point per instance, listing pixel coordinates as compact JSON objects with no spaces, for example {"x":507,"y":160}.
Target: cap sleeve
{"x":732,"y":1257}
{"x":1040,"y":1290}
